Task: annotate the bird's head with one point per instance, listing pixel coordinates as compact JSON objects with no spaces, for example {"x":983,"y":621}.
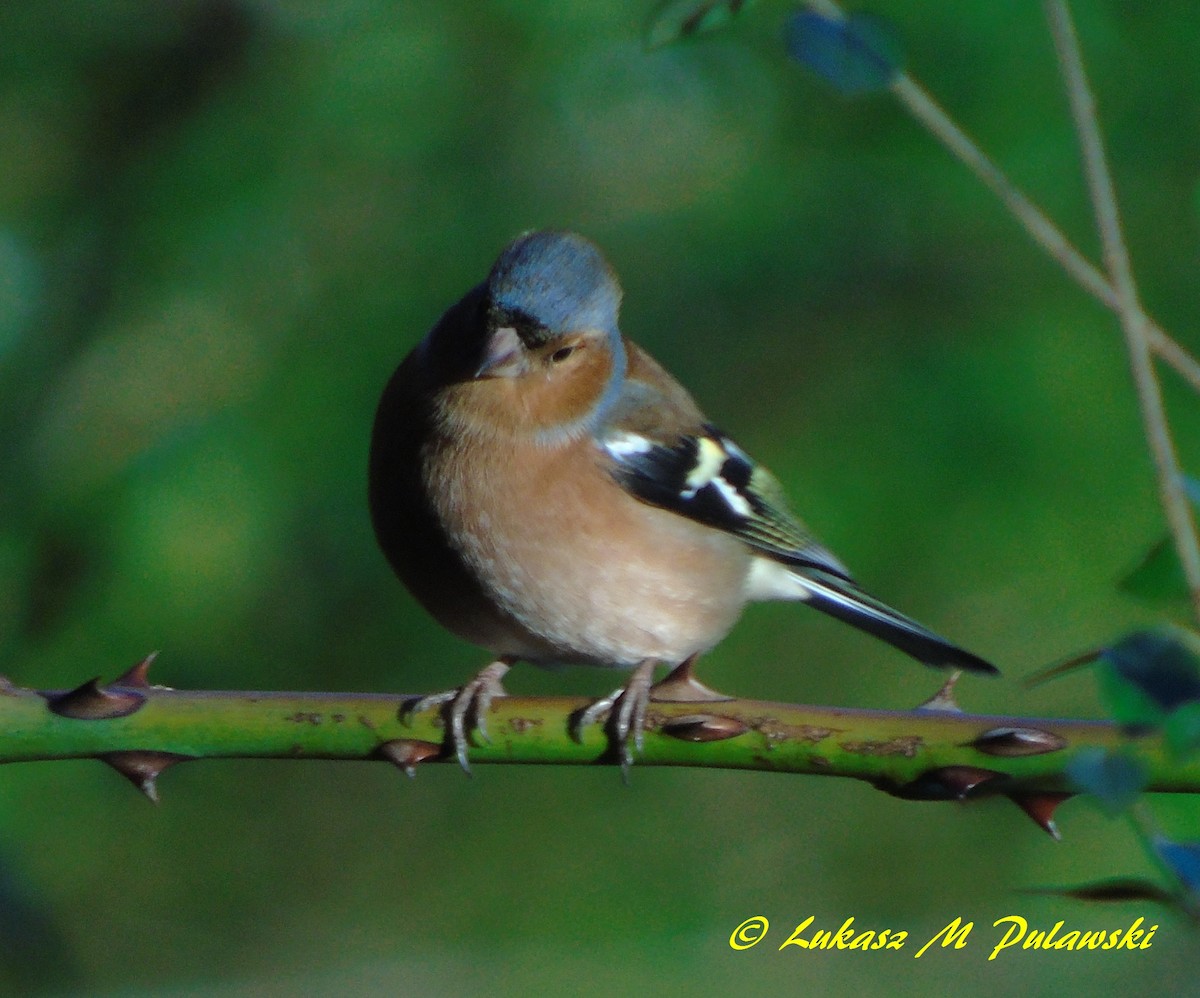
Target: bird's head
{"x":548,"y":356}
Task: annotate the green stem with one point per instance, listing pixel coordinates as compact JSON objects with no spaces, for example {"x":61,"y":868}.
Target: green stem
{"x":1134,"y":321}
{"x":1037,"y":224}
{"x":895,"y":750}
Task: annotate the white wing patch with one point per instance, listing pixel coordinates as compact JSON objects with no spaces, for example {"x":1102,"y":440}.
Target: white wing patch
{"x":733,"y":450}
{"x":623,"y":444}
{"x":733,"y":498}
{"x":692,"y":477}
{"x":772,"y":580}
{"x":710,"y":458}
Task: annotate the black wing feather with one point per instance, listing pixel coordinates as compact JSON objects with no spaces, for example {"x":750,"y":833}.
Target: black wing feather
{"x":711,"y":480}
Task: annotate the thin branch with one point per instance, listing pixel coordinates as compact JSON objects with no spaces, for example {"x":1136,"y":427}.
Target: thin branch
{"x":934,"y":752}
{"x":1133,"y":319}
{"x":1044,"y":232}
{"x":1171,"y":352}
{"x":1037,"y":224}
{"x":918,"y":102}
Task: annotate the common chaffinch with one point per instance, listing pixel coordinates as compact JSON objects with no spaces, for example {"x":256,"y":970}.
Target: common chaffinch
{"x":547,"y":491}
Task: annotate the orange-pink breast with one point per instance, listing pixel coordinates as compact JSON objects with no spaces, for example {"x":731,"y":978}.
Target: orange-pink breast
{"x":587,"y":573}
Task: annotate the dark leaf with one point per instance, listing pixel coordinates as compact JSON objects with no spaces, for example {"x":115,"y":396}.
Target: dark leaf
{"x":1182,"y":730}
{"x":1117,"y":889}
{"x":1184,"y":860}
{"x":678,"y":19}
{"x":1158,"y":576}
{"x":1113,"y":778}
{"x":1151,"y":673}
{"x":859,"y":54}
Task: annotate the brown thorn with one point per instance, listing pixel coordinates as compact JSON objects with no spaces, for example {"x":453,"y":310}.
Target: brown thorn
{"x":142,"y":768}
{"x":704,"y":728}
{"x":943,"y":700}
{"x":91,"y":702}
{"x":1013,"y":742}
{"x":406,"y":753}
{"x":962,"y":781}
{"x":137,"y":675}
{"x":1041,"y":808}
{"x":945,"y":783}
{"x":680,"y":685}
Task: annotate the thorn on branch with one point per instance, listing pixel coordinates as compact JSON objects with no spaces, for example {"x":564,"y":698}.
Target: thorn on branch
{"x":946,"y":783}
{"x":1041,"y":808}
{"x":944,"y":699}
{"x":92,"y":702}
{"x":407,"y":753}
{"x":1012,"y":742}
{"x":704,"y":728}
{"x":142,"y":769}
{"x":137,"y":675}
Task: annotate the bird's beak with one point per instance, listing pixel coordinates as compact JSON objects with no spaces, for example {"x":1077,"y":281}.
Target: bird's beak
{"x":504,"y":355}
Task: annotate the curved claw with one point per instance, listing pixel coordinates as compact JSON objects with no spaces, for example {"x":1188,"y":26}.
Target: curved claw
{"x":593,"y":712}
{"x":466,"y":707}
{"x":626,"y":709}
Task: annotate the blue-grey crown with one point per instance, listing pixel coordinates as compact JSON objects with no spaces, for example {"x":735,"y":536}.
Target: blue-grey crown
{"x":552,"y":282}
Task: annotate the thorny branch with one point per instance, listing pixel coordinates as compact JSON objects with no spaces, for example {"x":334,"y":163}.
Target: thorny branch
{"x":933,"y":752}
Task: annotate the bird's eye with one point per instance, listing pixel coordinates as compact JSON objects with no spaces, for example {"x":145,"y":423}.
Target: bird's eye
{"x":561,"y":354}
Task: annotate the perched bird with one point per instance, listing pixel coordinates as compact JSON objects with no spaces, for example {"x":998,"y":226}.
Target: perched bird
{"x":547,"y":491}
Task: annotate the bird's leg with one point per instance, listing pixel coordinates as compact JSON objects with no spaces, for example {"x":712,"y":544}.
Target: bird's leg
{"x":467,"y":706}
{"x":680,"y":685}
{"x":626,"y":707}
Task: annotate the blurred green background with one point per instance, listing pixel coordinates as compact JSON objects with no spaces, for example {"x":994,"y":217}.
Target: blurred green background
{"x":223,"y":222}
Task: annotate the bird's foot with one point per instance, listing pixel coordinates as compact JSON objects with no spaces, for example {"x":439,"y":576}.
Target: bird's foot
{"x":626,"y":710}
{"x":465,"y":708}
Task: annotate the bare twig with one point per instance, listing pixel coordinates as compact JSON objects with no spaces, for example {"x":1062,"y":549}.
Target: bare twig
{"x":921,"y":105}
{"x":918,"y":102}
{"x":1134,"y":322}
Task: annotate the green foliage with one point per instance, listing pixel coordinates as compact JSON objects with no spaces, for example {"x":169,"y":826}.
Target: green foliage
{"x":1183,"y":858}
{"x":223,"y":223}
{"x":1114,"y":778}
{"x":1158,"y":576}
{"x":1148,"y":675}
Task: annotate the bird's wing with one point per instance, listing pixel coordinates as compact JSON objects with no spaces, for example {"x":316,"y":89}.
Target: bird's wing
{"x":663,"y":452}
{"x":706,"y":477}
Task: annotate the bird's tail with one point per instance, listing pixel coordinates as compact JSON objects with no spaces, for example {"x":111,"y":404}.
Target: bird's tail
{"x":841,"y":598}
